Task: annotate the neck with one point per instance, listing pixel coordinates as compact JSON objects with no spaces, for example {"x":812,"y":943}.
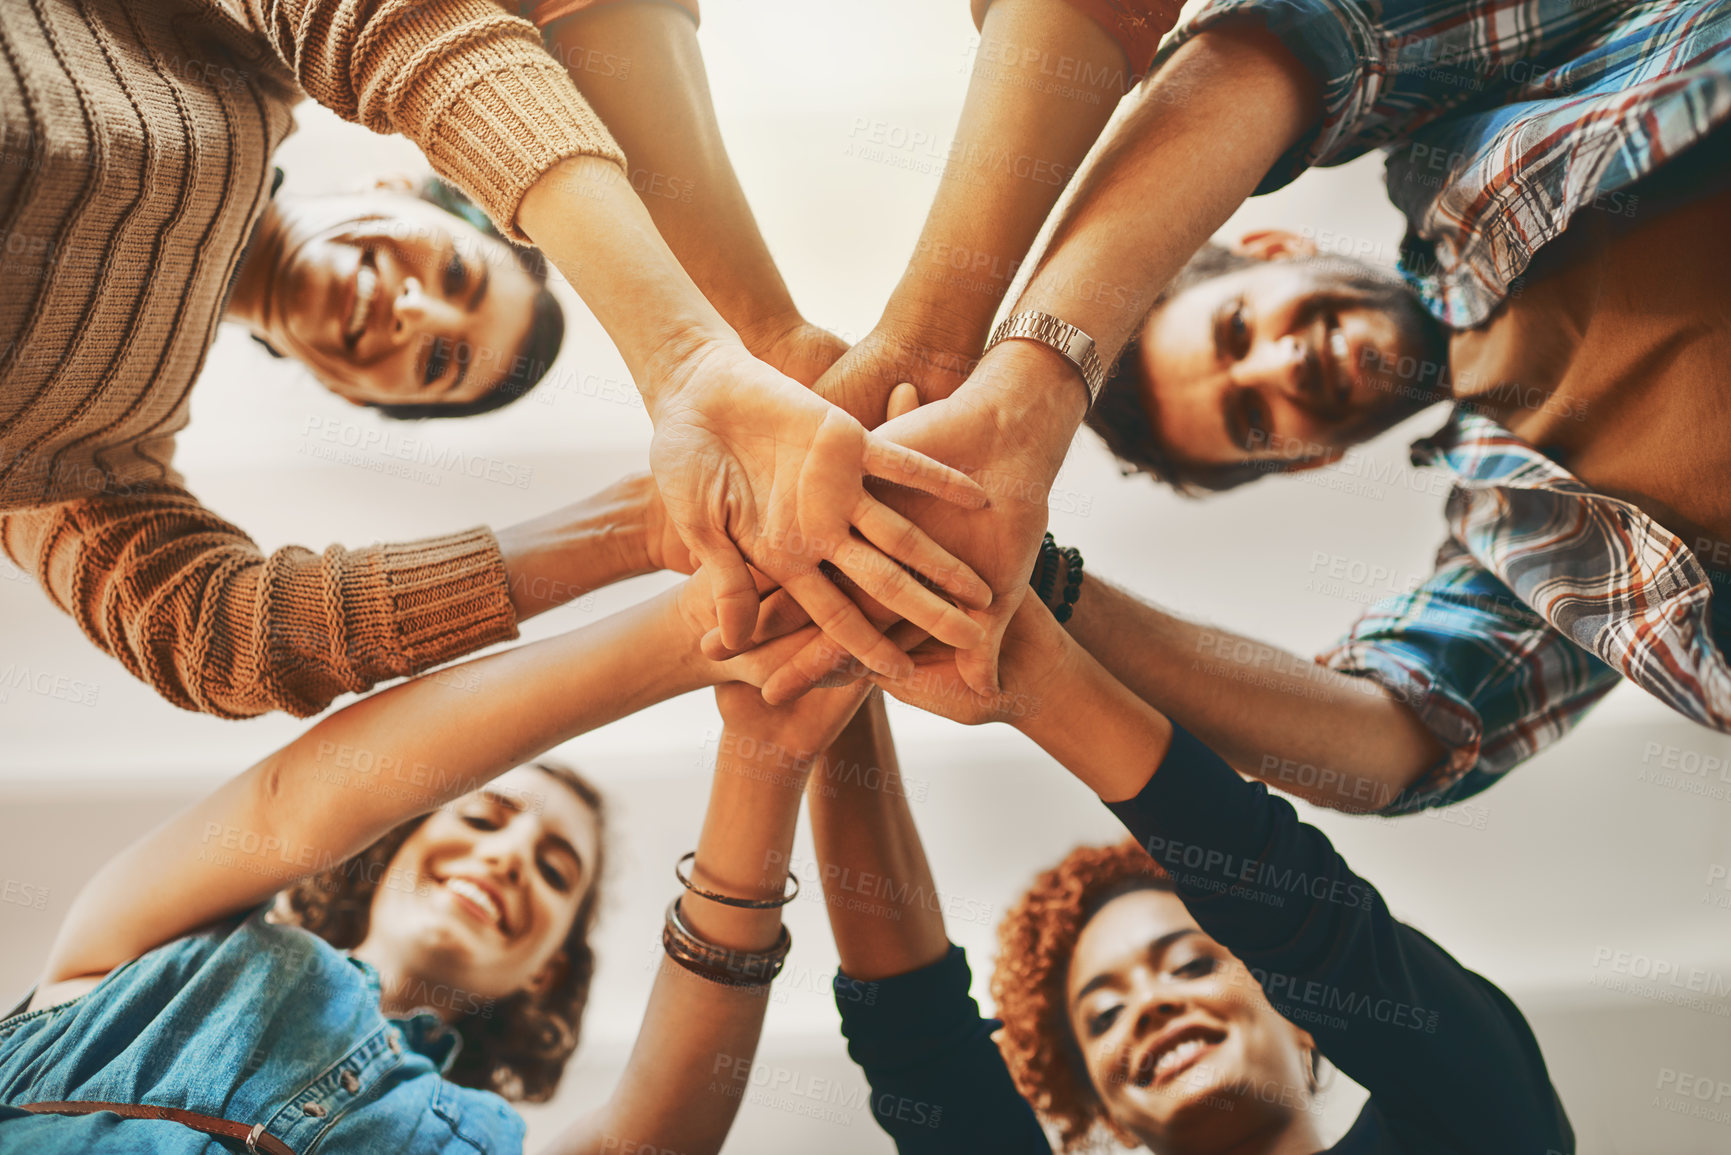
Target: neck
{"x":254,"y":293}
{"x":400,"y":991}
{"x":1295,"y":1134}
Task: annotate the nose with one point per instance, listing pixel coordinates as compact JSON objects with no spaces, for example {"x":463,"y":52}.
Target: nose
{"x":1279,"y":368}
{"x":1156,"y":1005}
{"x":415,"y":313}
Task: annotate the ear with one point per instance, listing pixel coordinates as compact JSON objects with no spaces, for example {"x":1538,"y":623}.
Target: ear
{"x":1273,"y":245}
{"x":397,"y":183}
{"x":542,"y":980}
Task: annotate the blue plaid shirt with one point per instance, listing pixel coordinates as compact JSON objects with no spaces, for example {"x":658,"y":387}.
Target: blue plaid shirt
{"x":1502,"y":119}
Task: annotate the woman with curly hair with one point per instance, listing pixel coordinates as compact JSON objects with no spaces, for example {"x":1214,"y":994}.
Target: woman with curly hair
{"x":444,"y":893}
{"x":1178,"y":991}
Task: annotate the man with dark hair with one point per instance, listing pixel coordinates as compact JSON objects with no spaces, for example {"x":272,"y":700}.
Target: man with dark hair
{"x":1565,"y":171}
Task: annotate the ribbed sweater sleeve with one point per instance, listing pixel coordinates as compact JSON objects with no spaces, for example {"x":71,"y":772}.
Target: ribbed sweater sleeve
{"x":189,"y":604}
{"x":471,"y":85}
{"x":1448,"y":1059}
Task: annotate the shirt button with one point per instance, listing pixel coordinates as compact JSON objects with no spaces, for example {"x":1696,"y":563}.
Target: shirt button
{"x":351,"y":1082}
{"x":314,"y":1110}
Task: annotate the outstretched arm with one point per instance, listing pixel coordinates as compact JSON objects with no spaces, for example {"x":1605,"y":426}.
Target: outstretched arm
{"x":1021,"y":136}
{"x":638,"y":65}
{"x":189,"y":603}
{"x":1330,"y":738}
{"x":938,"y":1081}
{"x":374,"y":764}
{"x":691,"y":1066}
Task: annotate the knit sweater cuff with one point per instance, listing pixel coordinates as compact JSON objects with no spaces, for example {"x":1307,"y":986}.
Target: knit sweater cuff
{"x":442,"y":597}
{"x":505,"y":114}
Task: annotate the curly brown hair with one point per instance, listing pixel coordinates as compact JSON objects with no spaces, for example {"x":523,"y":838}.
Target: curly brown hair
{"x":516,"y":1047}
{"x":1035,"y":942}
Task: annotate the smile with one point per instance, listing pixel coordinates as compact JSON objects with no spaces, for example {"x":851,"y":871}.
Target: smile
{"x":1174,"y":1053}
{"x":479,"y":900}
{"x":366,"y":287}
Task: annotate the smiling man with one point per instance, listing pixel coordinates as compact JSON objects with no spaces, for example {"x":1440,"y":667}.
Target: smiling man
{"x":1565,"y":173}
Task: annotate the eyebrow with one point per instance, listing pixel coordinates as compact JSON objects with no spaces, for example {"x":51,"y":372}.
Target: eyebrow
{"x":559,"y":841}
{"x":1159,"y":945}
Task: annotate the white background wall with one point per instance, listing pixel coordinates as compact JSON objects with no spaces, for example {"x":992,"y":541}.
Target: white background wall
{"x":1535,"y":884}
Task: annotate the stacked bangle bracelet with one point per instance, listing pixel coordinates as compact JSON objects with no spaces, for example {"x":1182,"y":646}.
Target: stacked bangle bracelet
{"x":719,"y":964}
{"x":1054,"y":559}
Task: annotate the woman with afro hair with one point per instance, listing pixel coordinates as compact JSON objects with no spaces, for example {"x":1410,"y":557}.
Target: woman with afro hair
{"x":1178,"y":991}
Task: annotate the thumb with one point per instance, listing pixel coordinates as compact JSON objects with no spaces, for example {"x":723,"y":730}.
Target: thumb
{"x":904,"y":398}
{"x":729,"y":583}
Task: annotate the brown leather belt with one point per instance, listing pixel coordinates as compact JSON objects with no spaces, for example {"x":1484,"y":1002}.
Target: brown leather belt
{"x":257,"y":1139}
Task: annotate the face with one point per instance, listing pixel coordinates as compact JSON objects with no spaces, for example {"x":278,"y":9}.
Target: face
{"x":1284,"y":361}
{"x":391,"y":300}
{"x":479,"y":899}
{"x":1178,"y":1040}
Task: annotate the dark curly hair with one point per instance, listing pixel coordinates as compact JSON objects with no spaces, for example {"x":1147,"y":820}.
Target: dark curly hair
{"x":1035,"y":942}
{"x":516,"y":1047}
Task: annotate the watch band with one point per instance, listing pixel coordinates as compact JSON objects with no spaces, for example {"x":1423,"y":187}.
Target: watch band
{"x":1061,"y":337}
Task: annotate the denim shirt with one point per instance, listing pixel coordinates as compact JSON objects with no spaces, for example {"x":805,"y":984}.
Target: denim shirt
{"x":250,"y":1021}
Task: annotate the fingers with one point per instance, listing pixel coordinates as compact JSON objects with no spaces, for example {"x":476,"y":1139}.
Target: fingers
{"x":819,"y":663}
{"x":731,"y":584}
{"x":978,"y":665}
{"x":846,"y":626}
{"x":777,"y":616}
{"x":907,"y":543}
{"x":904,"y":466}
{"x":904,"y":398}
{"x":907,"y":598}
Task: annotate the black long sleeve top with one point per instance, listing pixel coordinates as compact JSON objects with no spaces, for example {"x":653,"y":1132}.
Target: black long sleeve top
{"x":1450,"y":1063}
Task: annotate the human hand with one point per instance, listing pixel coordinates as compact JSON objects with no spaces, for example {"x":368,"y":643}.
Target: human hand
{"x":803,"y":351}
{"x":1036,"y":655}
{"x":804,"y":728}
{"x":892,"y":354}
{"x":1009,"y":425}
{"x":745,"y":455}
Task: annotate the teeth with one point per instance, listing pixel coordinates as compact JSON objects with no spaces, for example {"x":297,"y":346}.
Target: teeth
{"x":1178,"y":1055}
{"x":366,"y":283}
{"x":1337,"y":346}
{"x":475,"y":894}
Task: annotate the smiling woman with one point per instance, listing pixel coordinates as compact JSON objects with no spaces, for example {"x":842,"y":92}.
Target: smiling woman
{"x":466,"y":925}
{"x":400,"y":300}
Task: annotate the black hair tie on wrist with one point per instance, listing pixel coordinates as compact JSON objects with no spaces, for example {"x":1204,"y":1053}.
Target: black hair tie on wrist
{"x":1072,"y":584}
{"x":729,"y":900}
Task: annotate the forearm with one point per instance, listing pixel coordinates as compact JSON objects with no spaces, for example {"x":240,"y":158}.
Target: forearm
{"x":1015,"y":149}
{"x":689,"y":1069}
{"x":862,"y":827}
{"x":565,"y":554}
{"x":596,"y":231}
{"x":1266,"y":711}
{"x":369,"y":767}
{"x":1201,"y":134}
{"x":640,"y":68}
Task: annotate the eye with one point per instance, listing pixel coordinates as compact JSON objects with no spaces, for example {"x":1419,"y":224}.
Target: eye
{"x":456,"y":274}
{"x":1196,"y":968}
{"x":437,"y":359}
{"x":556,"y":878}
{"x":1099,"y":1024}
{"x":481,"y":821}
{"x":1253,"y":420}
{"x":1237,"y":331}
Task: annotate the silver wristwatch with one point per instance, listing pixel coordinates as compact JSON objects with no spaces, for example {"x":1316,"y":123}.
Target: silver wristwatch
{"x":1061,"y":337}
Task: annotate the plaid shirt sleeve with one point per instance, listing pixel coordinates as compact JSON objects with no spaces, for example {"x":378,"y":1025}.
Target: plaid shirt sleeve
{"x":1488,"y":676}
{"x":1389,"y":67}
